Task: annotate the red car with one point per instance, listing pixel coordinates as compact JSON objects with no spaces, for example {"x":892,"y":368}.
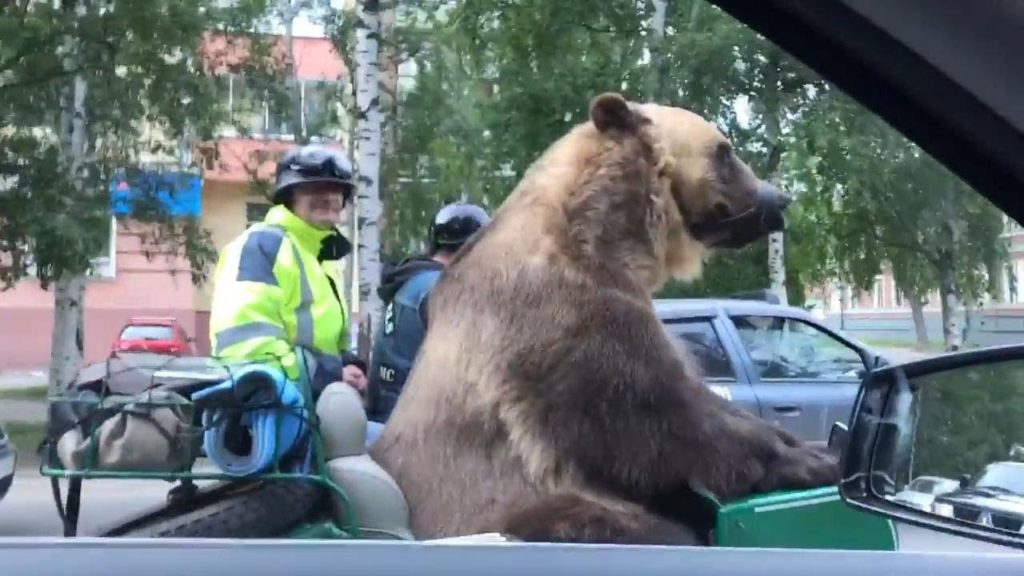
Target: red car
{"x":156,"y":335}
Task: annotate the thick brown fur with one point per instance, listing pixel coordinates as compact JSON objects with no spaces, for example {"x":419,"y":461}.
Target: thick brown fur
{"x":547,"y":402}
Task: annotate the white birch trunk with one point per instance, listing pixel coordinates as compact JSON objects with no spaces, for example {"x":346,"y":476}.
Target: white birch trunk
{"x":777,"y":265}
{"x":951,"y":328}
{"x":950,"y":302}
{"x":351,"y":268}
{"x":773,"y":128}
{"x":948,"y":293}
{"x":368,"y":142}
{"x":67,"y":345}
{"x":657,"y":47}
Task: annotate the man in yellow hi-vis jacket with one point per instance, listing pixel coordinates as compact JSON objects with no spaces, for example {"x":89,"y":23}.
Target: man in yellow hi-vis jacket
{"x":271,"y":293}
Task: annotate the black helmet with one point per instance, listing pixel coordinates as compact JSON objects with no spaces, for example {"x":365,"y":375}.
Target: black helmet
{"x":312,"y":163}
{"x":455,"y":223}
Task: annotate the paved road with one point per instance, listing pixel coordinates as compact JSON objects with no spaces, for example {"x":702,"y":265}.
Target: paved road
{"x":22,"y":410}
{"x":28,"y":510}
{"x":900,"y":355}
{"x":924,"y":540}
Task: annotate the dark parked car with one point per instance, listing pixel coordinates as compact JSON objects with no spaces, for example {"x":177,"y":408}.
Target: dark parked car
{"x":993,"y":498}
{"x":776,"y":361}
{"x":8,"y":459}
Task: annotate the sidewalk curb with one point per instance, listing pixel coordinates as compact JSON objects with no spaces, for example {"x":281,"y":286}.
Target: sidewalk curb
{"x":17,"y":379}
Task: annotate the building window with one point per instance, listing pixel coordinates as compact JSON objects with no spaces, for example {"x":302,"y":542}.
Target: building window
{"x":320,"y":118}
{"x":855,"y":295}
{"x":1012,"y":282}
{"x":266,"y":115}
{"x":277,"y":115}
{"x":255,"y":212}
{"x":898,"y":296}
{"x":877,"y":297}
{"x":105,"y":264}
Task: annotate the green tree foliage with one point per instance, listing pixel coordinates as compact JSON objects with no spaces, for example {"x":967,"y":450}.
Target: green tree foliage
{"x":89,"y":89}
{"x":968,"y":418}
{"x":148,"y":94}
{"x":883,"y":201}
{"x":498,"y":81}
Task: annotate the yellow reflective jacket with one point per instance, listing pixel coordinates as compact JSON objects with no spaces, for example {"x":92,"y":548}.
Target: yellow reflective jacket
{"x":271,"y":294}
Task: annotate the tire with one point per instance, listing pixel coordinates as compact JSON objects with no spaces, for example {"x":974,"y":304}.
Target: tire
{"x":263,"y":509}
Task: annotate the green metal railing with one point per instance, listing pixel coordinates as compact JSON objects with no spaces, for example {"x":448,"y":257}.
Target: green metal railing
{"x":94,"y":411}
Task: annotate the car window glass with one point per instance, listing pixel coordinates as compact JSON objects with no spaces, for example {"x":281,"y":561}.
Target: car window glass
{"x":147,"y":332}
{"x":783,"y":348}
{"x":700,"y":339}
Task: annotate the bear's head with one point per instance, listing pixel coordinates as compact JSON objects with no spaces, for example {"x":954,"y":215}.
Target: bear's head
{"x":701,"y":196}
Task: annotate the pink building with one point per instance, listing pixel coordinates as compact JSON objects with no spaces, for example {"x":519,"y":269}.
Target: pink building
{"x":883,"y":313}
{"x":128,"y":283}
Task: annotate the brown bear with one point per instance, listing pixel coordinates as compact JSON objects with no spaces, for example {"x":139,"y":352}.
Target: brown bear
{"x":547,"y":401}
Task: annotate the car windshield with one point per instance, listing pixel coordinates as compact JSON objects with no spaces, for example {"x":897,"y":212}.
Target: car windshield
{"x":623,"y":149}
{"x":1006,"y":477}
{"x":147,"y":332}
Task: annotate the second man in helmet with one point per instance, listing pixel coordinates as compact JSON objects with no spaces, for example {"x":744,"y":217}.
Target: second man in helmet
{"x":405,"y":291}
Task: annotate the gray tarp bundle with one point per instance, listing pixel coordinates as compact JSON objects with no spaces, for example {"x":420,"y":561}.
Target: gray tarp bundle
{"x":134,"y":372}
{"x":97,"y":399}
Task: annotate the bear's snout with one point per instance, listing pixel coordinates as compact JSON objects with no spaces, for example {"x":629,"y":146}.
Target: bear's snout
{"x":765,"y":215}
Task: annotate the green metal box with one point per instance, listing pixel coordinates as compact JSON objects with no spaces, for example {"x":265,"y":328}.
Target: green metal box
{"x":809,"y":519}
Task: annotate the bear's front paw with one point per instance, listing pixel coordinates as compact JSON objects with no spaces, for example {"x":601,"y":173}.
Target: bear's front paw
{"x":801,"y":469}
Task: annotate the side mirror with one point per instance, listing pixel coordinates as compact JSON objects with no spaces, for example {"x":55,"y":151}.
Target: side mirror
{"x":947,"y":417}
{"x":838,"y":438}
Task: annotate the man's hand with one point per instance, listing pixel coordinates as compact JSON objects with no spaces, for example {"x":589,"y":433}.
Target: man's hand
{"x":354,"y":377}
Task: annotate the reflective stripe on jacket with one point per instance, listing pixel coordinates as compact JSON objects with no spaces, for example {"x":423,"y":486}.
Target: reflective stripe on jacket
{"x":271,"y":294}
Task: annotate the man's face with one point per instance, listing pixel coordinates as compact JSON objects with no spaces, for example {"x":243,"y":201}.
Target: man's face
{"x":320,"y":204}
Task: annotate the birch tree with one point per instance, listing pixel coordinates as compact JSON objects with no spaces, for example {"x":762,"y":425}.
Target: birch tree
{"x":368,"y":149}
{"x":67,"y":346}
{"x":656,"y":82}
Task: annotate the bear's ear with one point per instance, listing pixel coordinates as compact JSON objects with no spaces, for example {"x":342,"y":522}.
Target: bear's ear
{"x":610,"y":111}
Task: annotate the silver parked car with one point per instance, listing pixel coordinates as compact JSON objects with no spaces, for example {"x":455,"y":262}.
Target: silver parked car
{"x":775,"y":361}
{"x":921,"y":492}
